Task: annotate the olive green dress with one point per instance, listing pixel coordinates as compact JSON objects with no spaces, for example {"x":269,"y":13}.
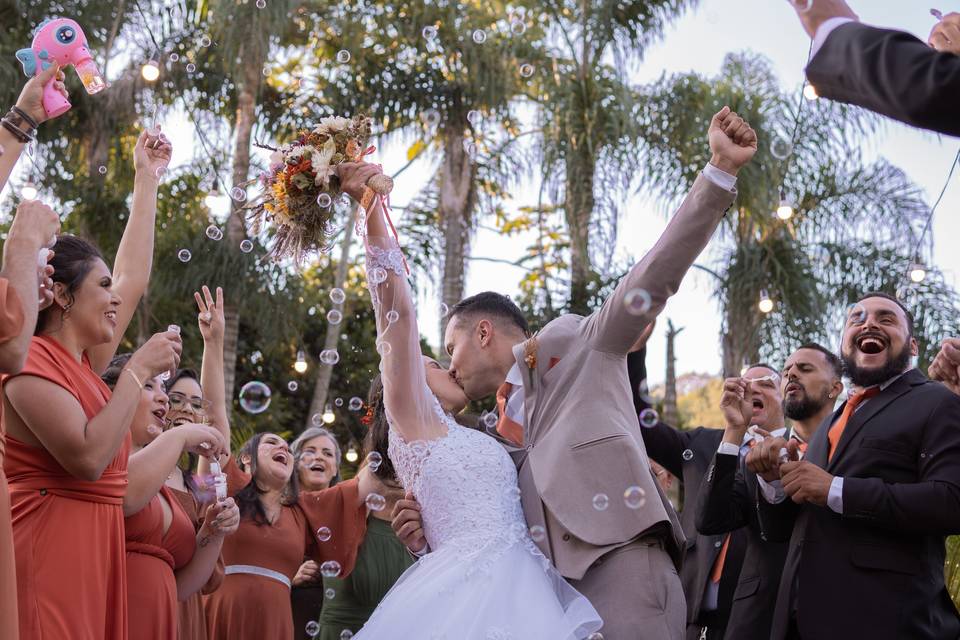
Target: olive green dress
{"x":380,"y":562}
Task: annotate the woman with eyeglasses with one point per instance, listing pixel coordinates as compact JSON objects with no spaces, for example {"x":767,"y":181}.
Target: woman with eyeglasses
{"x":168,"y":560}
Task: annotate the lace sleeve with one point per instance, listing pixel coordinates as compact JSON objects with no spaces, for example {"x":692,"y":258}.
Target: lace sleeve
{"x":407,"y":399}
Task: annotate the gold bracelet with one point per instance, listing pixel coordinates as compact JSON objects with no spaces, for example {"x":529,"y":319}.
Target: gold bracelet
{"x":134,"y":376}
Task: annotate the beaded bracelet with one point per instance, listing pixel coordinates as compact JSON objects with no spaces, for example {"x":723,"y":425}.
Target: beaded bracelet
{"x":17,"y":133}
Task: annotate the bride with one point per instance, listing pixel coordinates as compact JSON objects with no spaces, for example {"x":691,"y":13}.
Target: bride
{"x":484,"y":578}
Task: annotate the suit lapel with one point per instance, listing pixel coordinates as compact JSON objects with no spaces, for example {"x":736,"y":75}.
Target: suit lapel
{"x":530,"y":387}
{"x":819,"y":446}
{"x":871,"y":409}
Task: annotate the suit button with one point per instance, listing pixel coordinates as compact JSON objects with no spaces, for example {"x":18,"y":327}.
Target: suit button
{"x":43,"y":492}
{"x":718,"y":544}
{"x":566,"y":537}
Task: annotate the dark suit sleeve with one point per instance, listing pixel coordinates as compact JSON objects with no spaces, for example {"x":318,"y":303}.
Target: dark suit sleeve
{"x":892,"y":73}
{"x":932,"y":504}
{"x":664,"y":443}
{"x":776,"y":520}
{"x":723,"y":504}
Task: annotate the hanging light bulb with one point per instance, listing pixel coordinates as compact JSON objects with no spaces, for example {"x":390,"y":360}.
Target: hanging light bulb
{"x":214,"y":196}
{"x":785,"y":210}
{"x":300,"y":366}
{"x":766,"y":303}
{"x":810,"y":92}
{"x":351,"y":455}
{"x":29,"y":191}
{"x":150,"y":70}
{"x":328,"y":416}
{"x":918,"y":272}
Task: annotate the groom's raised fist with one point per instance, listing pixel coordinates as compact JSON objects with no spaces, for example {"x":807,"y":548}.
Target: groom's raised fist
{"x":732,"y":141}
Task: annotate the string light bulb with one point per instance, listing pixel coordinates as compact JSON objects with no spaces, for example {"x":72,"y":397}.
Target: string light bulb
{"x":213,"y":197}
{"x":300,"y":366}
{"x":328,"y":418}
{"x":29,"y":191}
{"x":351,"y":455}
{"x":150,"y":70}
{"x":766,"y":303}
{"x":810,"y":92}
{"x":785,"y":210}
{"x":918,"y":273}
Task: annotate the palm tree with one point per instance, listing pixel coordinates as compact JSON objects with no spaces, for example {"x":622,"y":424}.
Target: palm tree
{"x":850,"y":219}
{"x":589,"y":135}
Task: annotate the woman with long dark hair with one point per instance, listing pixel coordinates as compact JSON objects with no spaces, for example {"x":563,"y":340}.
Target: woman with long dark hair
{"x":68,"y":437}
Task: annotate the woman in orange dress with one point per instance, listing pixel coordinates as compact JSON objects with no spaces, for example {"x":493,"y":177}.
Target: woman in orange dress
{"x":278,"y":528}
{"x":32,"y":228}
{"x":167,"y":559}
{"x":68,"y":439}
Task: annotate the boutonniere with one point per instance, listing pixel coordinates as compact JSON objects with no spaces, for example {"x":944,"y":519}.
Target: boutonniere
{"x":530,"y":353}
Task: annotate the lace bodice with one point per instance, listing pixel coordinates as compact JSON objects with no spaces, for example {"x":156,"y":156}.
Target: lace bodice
{"x":466,"y":485}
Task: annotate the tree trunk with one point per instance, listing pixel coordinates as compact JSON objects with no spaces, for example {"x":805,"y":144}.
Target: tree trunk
{"x":458,"y":195}
{"x":578,"y":208}
{"x":322,"y":386}
{"x":740,"y":343}
{"x":247,"y":91}
{"x":670,"y":414}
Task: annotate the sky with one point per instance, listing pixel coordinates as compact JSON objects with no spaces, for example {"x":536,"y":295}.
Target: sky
{"x":696,"y":42}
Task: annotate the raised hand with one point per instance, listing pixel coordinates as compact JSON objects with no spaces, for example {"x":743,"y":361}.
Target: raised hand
{"x":158,"y":354}
{"x":354,"y":176}
{"x":945,"y":36}
{"x":736,"y":405}
{"x":732,"y":141}
{"x":152,"y":153}
{"x":35,"y":224}
{"x":31,"y":98}
{"x":945,"y":367}
{"x":210,"y":317}
{"x":819,"y":12}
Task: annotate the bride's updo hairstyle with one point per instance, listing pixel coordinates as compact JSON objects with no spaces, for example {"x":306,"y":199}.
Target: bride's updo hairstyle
{"x":73,"y":258}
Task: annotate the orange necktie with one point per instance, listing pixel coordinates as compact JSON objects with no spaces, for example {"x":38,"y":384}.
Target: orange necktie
{"x":836,"y":431}
{"x":507,"y":427}
{"x":721,"y":558}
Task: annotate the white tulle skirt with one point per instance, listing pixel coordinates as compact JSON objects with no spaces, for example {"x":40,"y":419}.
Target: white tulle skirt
{"x":509,"y":594}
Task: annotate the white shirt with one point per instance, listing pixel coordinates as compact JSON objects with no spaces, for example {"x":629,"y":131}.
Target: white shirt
{"x":515,"y":405}
{"x":773,"y":491}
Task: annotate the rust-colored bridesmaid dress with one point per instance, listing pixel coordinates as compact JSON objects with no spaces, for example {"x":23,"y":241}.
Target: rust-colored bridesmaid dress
{"x":261,"y":560}
{"x":11,"y":323}
{"x":67,"y":532}
{"x":152,"y":557}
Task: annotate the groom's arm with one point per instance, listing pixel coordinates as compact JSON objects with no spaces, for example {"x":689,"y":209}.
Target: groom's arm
{"x":643,"y":292}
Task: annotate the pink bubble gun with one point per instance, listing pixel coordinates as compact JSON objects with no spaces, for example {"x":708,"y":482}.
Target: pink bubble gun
{"x":60,"y":41}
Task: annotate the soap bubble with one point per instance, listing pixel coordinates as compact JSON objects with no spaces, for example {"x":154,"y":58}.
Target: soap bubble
{"x":261,"y":4}
{"x":376,"y":502}
{"x":637,"y":302}
{"x":601,"y":502}
{"x":526,"y":70}
{"x":334,"y":317}
{"x":191,"y":67}
{"x":355,"y":404}
{"x":781,"y":148}
{"x":329,"y":356}
{"x":518,"y":27}
{"x":102,"y":169}
{"x":634,"y":497}
{"x":374,"y":460}
{"x":313,"y":627}
{"x":430,"y":117}
{"x":324,"y":200}
{"x":160,"y":171}
{"x":184,"y":255}
{"x":205,"y":41}
{"x":323,"y":534}
{"x":473,"y":116}
{"x":346,"y":634}
{"x":254,"y":397}
{"x":687,"y":455}
{"x":538,"y":533}
{"x":377,"y":275}
{"x":214,"y":232}
{"x":444,"y":310}
{"x":174,"y":57}
{"x":392,"y":316}
{"x":246,"y":246}
{"x":330,"y":569}
{"x":329,"y":594}
{"x":343,"y":56}
{"x":479,"y":36}
{"x":802,"y":6}
{"x":293,"y":385}
{"x":649,"y":418}
{"x":338,"y":402}
{"x":429,"y":32}
{"x":337,"y":295}
{"x":490,"y":419}
{"x":384,"y":348}
{"x":238,"y":194}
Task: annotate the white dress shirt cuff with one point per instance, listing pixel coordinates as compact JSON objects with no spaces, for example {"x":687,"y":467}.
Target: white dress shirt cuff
{"x":772,"y":491}
{"x":835,"y":496}
{"x":720,"y":177}
{"x":728,"y":449}
{"x":824,"y":30}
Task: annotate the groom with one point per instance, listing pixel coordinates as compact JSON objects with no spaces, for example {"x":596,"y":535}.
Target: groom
{"x":567,"y":416}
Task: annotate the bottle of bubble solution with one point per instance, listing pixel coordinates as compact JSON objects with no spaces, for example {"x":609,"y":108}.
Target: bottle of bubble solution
{"x":90,"y":76}
{"x":176,"y":329}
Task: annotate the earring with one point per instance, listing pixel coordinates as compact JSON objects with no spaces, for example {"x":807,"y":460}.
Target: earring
{"x":66,"y":310}
{"x":830,"y":395}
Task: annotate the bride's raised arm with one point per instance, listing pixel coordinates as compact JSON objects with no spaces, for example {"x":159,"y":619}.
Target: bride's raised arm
{"x":408,"y":401}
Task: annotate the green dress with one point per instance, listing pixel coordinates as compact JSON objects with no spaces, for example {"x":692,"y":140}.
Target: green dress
{"x":380,"y":561}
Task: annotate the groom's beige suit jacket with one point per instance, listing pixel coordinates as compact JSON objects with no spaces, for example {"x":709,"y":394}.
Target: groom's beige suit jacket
{"x":581,"y":433}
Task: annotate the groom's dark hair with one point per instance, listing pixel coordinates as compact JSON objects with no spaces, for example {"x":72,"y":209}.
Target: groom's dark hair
{"x":490,"y":303}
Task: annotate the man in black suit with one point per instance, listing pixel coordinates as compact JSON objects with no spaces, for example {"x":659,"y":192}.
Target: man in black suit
{"x":810,"y":383}
{"x":868,"y":508}
{"x":890,"y":72}
{"x":708,"y":582}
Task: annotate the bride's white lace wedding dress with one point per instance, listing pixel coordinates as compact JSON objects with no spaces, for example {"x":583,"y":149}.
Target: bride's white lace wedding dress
{"x":484,"y":578}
